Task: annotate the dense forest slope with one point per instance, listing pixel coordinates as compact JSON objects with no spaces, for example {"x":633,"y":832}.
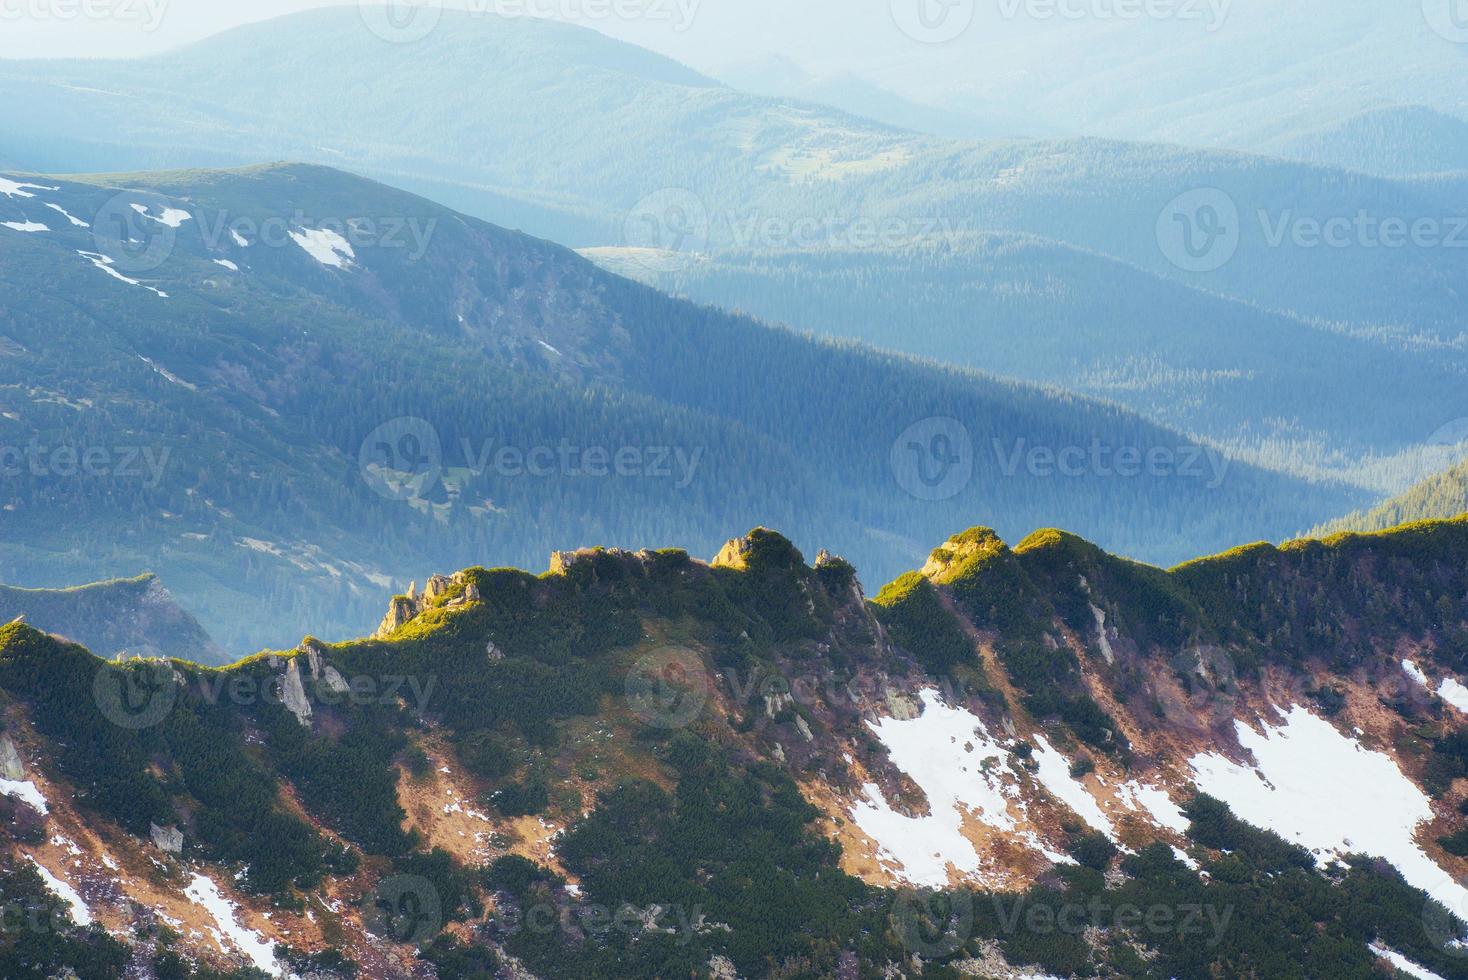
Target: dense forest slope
{"x":1039,"y":758}
{"x":124,"y":616}
{"x":285,"y":389}
{"x":1292,"y":390}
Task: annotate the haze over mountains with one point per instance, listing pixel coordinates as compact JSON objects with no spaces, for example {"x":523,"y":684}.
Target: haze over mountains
{"x":1186,"y":278}
{"x":1356,"y":269}
{"x":292,"y":425}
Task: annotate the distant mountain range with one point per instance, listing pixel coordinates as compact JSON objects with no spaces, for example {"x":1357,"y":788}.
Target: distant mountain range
{"x":1243,"y":75}
{"x":783,"y":78}
{"x":652,"y":156}
{"x":289,"y":390}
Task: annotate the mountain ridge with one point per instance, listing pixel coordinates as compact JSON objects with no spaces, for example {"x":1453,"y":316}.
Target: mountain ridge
{"x":721,"y":734}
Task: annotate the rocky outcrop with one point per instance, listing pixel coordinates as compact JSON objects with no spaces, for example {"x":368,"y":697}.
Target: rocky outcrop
{"x":169,"y":840}
{"x":322,"y":672}
{"x":10,"y":765}
{"x":591,"y":562}
{"x":403,"y":609}
{"x":293,"y":693}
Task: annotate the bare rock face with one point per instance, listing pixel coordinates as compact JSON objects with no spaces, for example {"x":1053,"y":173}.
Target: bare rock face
{"x":903,"y":706}
{"x":321,"y":671}
{"x":399,"y":611}
{"x":405,"y":608}
{"x":10,"y":765}
{"x":722,"y":968}
{"x":293,"y":693}
{"x":169,"y":840}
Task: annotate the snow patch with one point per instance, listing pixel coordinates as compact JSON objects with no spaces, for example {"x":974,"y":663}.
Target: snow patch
{"x":105,"y":263}
{"x":171,"y":217}
{"x":227,"y":264}
{"x":238,"y":238}
{"x":25,"y":791}
{"x":1450,"y":690}
{"x":1055,"y":776}
{"x":325,"y":246}
{"x":1101,"y":638}
{"x":75,"y":221}
{"x":26,"y":226}
{"x":204,"y":893}
{"x":1156,"y":804}
{"x":1415,"y":672}
{"x":1454,"y":693}
{"x":1400,"y":962}
{"x":166,"y":374}
{"x":1320,"y":789}
{"x":62,"y":890}
{"x":11,"y":189}
{"x":958,"y":765}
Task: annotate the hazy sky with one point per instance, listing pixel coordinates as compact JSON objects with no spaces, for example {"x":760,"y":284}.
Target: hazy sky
{"x":698,"y":32}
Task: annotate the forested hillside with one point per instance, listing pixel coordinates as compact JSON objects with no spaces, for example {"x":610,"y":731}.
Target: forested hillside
{"x":1298,"y":392}
{"x":290,"y":391}
{"x":1438,"y":497}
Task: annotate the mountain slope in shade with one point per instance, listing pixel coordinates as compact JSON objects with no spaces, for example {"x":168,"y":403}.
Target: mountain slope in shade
{"x":134,"y":616}
{"x":291,"y":387}
{"x":1271,"y":734}
{"x":1042,"y":311}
